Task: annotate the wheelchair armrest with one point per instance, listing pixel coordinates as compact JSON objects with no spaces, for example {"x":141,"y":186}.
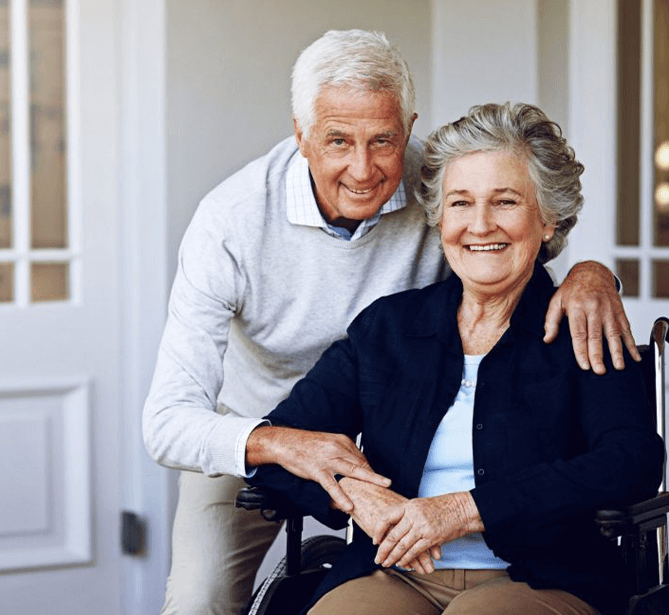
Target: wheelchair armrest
{"x":271,"y":506}
{"x":626,"y":520}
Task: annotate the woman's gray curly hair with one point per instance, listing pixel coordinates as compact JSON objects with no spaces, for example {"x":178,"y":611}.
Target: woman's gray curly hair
{"x":521,"y":128}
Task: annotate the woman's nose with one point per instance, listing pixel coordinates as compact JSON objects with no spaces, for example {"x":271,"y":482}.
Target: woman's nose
{"x":483,"y":220}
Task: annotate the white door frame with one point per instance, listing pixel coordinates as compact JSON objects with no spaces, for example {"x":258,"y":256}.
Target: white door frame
{"x":146,"y":486}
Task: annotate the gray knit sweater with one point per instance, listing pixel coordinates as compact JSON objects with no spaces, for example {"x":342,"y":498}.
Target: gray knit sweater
{"x":255,"y":302}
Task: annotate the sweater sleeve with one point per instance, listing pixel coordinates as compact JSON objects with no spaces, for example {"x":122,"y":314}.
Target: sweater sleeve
{"x":181,"y":427}
{"x":622,"y":463}
{"x":326,"y":399}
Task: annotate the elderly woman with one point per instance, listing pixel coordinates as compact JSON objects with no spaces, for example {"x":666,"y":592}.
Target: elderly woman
{"x":499,"y":446}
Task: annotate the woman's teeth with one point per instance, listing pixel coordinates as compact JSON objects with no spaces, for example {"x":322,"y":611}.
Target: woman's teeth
{"x":488,"y":247}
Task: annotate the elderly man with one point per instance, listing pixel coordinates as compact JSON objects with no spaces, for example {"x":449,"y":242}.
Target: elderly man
{"x":276,"y":262}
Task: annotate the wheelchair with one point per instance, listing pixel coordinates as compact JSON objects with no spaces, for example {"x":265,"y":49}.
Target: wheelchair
{"x":640,"y":530}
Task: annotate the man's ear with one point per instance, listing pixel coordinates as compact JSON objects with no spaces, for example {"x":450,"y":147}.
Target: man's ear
{"x":410,"y":126}
{"x":299,"y":136}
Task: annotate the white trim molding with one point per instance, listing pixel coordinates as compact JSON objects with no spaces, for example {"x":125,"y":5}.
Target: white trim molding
{"x":46,"y":510}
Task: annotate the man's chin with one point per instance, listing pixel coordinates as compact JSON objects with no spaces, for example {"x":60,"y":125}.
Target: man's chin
{"x":362,"y":211}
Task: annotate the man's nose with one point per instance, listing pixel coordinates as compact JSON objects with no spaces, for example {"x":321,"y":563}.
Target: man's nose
{"x":361,"y":166}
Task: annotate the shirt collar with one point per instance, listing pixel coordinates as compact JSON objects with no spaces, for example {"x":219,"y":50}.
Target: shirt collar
{"x":303,"y":210}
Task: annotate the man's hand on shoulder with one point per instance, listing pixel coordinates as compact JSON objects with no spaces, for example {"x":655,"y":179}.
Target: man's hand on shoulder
{"x":313,"y":455}
{"x":589,"y":298}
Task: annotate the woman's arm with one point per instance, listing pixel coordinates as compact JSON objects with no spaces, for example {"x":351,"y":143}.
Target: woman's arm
{"x":377,"y":509}
{"x":425,"y":524}
{"x":620,"y":462}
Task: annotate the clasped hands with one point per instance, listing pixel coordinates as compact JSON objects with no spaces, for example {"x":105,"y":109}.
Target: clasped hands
{"x":409,"y":532}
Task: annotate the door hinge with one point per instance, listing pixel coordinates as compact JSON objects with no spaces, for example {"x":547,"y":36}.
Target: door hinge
{"x":133,"y":533}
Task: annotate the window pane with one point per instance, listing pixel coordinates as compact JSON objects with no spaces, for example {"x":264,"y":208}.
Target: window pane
{"x":628,"y":272}
{"x":47,"y":123}
{"x":661,"y":79}
{"x":661,"y":279}
{"x":50,"y":281}
{"x":5,"y":133}
{"x":6,"y":282}
{"x":629,"y":122}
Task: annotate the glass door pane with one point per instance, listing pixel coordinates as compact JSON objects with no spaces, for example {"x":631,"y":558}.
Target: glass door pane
{"x":46,"y":28}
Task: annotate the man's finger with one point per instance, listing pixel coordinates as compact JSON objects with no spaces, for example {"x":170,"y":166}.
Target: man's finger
{"x":365,"y":473}
{"x":554,"y":315}
{"x":616,"y":349}
{"x":579,"y":336}
{"x":339,"y":497}
{"x":595,"y":343}
{"x":630,"y":343}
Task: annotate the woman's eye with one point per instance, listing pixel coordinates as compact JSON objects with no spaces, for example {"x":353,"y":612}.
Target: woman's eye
{"x":507,"y":202}
{"x":459,"y":204}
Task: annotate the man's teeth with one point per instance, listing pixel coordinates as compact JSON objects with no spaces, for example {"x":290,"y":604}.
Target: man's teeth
{"x":488,"y":247}
{"x":360,"y":191}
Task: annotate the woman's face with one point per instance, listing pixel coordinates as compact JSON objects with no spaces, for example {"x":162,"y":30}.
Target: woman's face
{"x":491,"y":229}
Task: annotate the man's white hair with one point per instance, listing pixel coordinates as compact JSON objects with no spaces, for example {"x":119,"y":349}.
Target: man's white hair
{"x":355,"y":59}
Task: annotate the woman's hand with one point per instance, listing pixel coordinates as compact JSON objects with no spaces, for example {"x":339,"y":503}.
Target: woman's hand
{"x":589,"y":298}
{"x":426,"y":523}
{"x":375,"y":507}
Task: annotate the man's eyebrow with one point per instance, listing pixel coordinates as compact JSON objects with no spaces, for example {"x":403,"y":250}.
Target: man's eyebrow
{"x":388,"y":134}
{"x":336,"y":132}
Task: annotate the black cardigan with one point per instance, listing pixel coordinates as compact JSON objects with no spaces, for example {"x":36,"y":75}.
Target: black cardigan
{"x":551,"y":442}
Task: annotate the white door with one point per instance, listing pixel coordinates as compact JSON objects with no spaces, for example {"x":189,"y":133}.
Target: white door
{"x":60,"y":335}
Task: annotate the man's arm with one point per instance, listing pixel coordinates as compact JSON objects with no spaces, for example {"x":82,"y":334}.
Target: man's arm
{"x":181,"y":427}
{"x":589,"y":298}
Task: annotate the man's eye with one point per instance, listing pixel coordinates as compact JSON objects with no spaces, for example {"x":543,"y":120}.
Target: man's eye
{"x":338,"y":142}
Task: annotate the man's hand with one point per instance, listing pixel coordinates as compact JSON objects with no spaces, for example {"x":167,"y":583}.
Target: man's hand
{"x":313,"y":455}
{"x":588,"y":297}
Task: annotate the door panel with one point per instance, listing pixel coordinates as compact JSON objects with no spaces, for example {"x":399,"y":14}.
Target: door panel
{"x":60,"y":316}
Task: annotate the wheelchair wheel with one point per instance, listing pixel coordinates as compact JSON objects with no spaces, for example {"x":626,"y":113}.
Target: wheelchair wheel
{"x":283,"y":595}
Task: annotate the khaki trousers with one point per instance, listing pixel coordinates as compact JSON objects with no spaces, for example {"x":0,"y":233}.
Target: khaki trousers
{"x":447,"y":592}
{"x":216,"y":548}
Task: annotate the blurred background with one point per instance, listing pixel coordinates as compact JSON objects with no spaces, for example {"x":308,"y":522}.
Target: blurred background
{"x":117,"y":116}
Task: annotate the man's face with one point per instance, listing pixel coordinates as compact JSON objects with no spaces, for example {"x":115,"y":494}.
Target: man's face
{"x":355,"y":151}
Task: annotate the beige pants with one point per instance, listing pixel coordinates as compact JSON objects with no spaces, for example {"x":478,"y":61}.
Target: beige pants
{"x":447,"y":592}
{"x":216,"y":548}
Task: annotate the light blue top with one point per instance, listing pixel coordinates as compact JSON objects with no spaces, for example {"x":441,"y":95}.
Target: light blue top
{"x":450,"y":468}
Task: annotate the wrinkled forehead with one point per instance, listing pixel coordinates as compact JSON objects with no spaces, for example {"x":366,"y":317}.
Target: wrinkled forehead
{"x":332,"y":98}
